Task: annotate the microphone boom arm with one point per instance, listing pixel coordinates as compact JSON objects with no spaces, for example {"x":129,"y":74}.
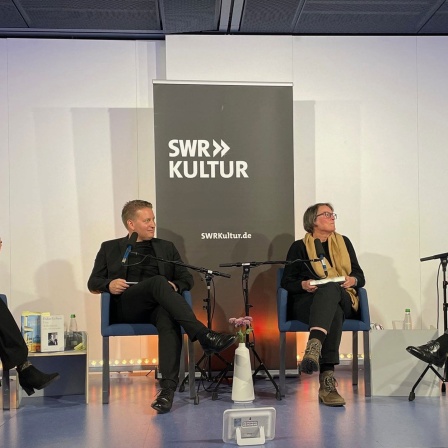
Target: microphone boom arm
{"x":185,"y":265}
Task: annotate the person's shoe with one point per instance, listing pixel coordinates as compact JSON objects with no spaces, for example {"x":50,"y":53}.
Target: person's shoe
{"x":310,"y":361}
{"x":31,"y":378}
{"x":429,"y":353}
{"x":328,"y":394}
{"x":214,"y":342}
{"x":163,"y":403}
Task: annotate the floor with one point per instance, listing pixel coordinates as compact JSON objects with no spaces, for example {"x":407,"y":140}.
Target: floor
{"x":129,"y":421}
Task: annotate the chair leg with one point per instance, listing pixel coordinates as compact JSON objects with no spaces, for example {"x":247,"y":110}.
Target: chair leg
{"x":106,"y":370}
{"x":355,"y":358}
{"x":6,"y":390}
{"x":182,"y":361}
{"x":367,"y":368}
{"x":282,"y":371}
{"x":191,"y":368}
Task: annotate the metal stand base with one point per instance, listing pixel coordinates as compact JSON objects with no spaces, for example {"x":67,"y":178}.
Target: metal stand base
{"x":206,"y":375}
{"x":442,"y":378}
{"x":443,"y":261}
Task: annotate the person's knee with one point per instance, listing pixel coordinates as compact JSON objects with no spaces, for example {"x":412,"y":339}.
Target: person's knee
{"x":156,"y":285}
{"x":333,"y":289}
{"x":332,"y":292}
{"x":165,"y":323}
{"x":156,"y":280}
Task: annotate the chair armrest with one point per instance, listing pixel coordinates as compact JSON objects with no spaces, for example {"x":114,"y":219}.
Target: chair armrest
{"x":187,"y":296}
{"x":105,"y":308}
{"x":105,"y":311}
{"x":364,"y":306}
{"x":282,"y":301}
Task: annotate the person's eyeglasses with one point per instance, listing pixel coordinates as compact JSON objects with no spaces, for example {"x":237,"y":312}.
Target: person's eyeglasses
{"x":328,"y":215}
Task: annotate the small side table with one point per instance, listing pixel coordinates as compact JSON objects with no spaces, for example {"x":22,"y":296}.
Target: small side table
{"x":73,"y":368}
{"x":394,"y":370}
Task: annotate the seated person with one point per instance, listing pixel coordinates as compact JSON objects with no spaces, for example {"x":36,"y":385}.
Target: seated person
{"x":156,"y":295}
{"x":323,"y":307}
{"x":14,"y":353}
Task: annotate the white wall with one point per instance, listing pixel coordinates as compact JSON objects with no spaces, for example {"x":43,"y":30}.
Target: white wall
{"x":365,"y":111}
{"x":76,"y":142}
{"x":432,"y":63}
{"x":5,"y":260}
{"x":80,"y":126}
{"x":358,"y":97}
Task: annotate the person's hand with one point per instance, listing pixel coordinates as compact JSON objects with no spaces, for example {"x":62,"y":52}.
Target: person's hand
{"x":350,"y":282}
{"x":307,"y":287}
{"x":118,"y":286}
{"x":173,"y":286}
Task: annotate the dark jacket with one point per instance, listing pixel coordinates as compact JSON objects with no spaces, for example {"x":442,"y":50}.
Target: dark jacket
{"x":295,"y":273}
{"x":108,"y":265}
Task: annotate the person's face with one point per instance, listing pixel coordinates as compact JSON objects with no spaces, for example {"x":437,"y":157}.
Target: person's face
{"x":323,"y":223}
{"x":143,"y":223}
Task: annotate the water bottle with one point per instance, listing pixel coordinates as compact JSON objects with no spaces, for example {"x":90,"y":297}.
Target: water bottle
{"x":407,"y":323}
{"x":73,"y":326}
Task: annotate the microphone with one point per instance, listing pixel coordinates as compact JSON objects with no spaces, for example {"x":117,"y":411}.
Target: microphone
{"x":232,"y":265}
{"x":130,"y":246}
{"x":321,"y":254}
{"x":435,"y":257}
{"x":239,"y":264}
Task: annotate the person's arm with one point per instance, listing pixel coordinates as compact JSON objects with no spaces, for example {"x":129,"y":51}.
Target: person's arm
{"x":357,"y":272}
{"x":98,"y":281}
{"x":181,"y":278}
{"x":298,"y":272}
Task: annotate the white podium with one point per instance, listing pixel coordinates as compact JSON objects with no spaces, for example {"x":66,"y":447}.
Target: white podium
{"x":394,"y":370}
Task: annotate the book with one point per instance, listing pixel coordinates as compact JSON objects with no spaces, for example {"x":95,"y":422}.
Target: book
{"x":52,"y":333}
{"x":327,"y":280}
{"x":31,"y":329}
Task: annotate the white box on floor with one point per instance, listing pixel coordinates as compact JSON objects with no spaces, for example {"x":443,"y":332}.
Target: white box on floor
{"x":394,"y":370}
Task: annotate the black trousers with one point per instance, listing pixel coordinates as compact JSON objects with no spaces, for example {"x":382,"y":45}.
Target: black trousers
{"x":13,"y":350}
{"x":154,"y":301}
{"x":327,"y":308}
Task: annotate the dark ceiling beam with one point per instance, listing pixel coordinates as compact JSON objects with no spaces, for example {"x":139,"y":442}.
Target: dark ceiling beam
{"x":81,"y":34}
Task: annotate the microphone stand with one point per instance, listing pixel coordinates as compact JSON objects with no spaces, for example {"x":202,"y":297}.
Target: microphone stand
{"x":247,"y":306}
{"x":207,"y":375}
{"x":443,"y":261}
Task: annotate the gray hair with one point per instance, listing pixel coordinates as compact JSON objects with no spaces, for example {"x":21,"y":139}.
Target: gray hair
{"x":309,"y":217}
